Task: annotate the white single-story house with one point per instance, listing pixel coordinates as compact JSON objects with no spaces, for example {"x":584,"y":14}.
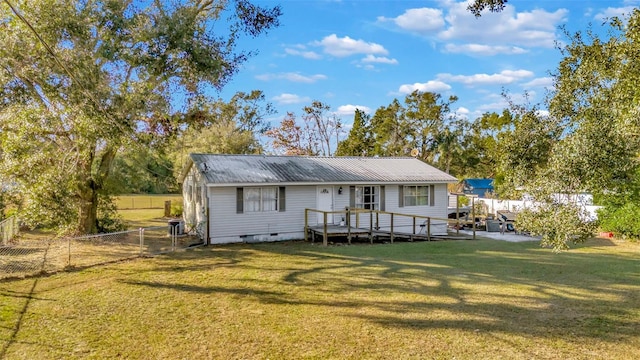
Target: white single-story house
{"x":246,"y":198}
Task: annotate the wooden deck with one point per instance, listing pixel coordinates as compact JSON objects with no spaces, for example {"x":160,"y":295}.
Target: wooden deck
{"x":350,"y":233}
{"x":373,"y":217}
{"x":336,"y":231}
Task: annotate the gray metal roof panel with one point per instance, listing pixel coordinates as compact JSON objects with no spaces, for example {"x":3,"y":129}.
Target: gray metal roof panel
{"x":271,"y":169}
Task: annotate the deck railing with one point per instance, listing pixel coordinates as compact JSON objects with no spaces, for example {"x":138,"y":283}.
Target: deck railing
{"x":376,"y":217}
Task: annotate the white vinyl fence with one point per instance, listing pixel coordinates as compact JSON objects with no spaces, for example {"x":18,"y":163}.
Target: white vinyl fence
{"x":495,"y":205}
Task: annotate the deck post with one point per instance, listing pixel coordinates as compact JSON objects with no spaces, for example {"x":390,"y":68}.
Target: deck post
{"x":413,"y":229}
{"x":371,"y":226}
{"x":392,"y":228}
{"x":457,"y":215}
{"x":348,"y":223}
{"x":306,"y":224}
{"x":325,"y":235}
{"x":428,"y":229}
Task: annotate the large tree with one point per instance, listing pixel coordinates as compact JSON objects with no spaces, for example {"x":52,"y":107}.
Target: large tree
{"x":360,"y":139}
{"x":594,"y":122}
{"x":220,"y":127}
{"x":420,"y":124}
{"x":318,"y":134}
{"x":80,"y":81}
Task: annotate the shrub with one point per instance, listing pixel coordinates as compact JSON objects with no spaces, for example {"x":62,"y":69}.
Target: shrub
{"x":108,"y":218}
{"x":621,"y":220}
{"x":176,"y":209}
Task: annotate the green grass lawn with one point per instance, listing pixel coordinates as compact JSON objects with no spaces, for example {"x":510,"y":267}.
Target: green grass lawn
{"x":137,"y":218}
{"x":145,"y":201}
{"x":450,"y":299}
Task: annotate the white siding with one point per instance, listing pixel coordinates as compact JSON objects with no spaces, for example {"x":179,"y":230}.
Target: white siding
{"x":228,"y":226}
{"x":405,"y":223}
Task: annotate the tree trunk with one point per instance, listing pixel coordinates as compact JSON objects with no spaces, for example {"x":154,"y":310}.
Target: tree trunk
{"x":89,"y":191}
{"x":88,"y":211}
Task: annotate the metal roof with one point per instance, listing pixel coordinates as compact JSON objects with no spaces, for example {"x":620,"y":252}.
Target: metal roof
{"x":270,"y":169}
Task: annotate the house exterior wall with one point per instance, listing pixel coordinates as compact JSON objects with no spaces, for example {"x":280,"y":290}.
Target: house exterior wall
{"x":405,"y":223}
{"x":229,"y":226}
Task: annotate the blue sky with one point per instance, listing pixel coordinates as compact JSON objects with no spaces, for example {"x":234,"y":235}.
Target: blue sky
{"x":365,"y":53}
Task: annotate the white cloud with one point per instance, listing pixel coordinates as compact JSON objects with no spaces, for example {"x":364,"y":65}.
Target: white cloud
{"x":546,"y":82}
{"x":379,"y":59}
{"x":462,"y":110}
{"x":349,"y":109}
{"x":287,"y":99}
{"x":346,"y":46}
{"x":610,"y":12}
{"x":502,"y":78}
{"x":431,"y":86}
{"x":494,"y":102}
{"x":485,"y":50}
{"x":536,"y":28}
{"x":311,"y":55}
{"x":291,"y":76}
{"x":421,"y":20}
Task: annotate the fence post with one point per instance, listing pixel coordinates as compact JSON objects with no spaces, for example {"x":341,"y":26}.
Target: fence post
{"x":167,"y":208}
{"x":141,"y":240}
{"x":69,"y":251}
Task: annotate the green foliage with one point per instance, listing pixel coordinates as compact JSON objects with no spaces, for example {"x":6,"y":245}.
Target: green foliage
{"x":220,"y":127}
{"x":108,"y":219}
{"x":477,"y":6}
{"x":463,"y":201}
{"x":621,"y":213}
{"x":360,"y":140}
{"x":142,"y":171}
{"x":558,"y":224}
{"x":480,"y":145}
{"x":176,"y":209}
{"x":109,"y":85}
{"x":624,"y":221}
{"x":589,"y":141}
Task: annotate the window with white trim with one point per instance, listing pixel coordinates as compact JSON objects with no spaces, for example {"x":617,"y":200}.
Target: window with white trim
{"x":415,"y":195}
{"x":368,"y":197}
{"x":262,"y":199}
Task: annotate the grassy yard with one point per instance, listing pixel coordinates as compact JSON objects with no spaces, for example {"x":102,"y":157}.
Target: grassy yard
{"x":145,"y":201}
{"x":450,"y":299}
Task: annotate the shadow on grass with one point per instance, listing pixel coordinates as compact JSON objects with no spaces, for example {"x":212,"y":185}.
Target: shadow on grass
{"x":481,"y":286}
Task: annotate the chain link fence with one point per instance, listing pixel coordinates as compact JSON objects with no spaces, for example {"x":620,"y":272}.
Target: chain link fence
{"x":21,"y":257}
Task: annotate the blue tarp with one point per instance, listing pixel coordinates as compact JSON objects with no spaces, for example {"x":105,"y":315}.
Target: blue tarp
{"x":477,"y":186}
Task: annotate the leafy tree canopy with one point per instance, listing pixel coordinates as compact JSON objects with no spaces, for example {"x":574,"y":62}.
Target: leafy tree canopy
{"x":82,"y":80}
{"x":590,"y":138}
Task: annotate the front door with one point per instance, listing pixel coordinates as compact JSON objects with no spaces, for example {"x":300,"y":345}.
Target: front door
{"x":325,"y":203}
